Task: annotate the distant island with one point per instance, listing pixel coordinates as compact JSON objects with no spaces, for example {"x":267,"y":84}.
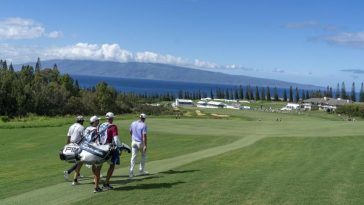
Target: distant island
{"x":155,"y":71}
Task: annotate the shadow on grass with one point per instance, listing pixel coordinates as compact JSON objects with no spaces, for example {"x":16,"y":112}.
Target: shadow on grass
{"x":127,"y":181}
{"x":149,"y":186}
{"x":179,"y":172}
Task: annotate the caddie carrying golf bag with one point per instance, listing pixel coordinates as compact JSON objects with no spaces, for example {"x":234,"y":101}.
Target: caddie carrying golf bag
{"x":92,"y":153}
{"x":70,"y":153}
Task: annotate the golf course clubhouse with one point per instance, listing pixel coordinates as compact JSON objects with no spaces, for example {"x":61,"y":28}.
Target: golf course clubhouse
{"x":325,"y":104}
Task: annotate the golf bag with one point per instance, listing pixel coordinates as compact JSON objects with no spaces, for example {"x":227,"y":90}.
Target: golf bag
{"x":90,"y":153}
{"x":70,"y":153}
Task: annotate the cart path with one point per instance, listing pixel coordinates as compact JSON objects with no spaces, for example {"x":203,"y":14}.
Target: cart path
{"x":64,"y":193}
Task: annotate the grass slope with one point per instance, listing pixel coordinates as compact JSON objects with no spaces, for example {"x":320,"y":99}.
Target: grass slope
{"x":272,"y":171}
{"x":175,"y":143}
{"x":30,"y":155}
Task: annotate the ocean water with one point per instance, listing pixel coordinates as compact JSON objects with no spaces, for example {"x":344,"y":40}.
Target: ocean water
{"x":149,"y":86}
{"x":142,"y":86}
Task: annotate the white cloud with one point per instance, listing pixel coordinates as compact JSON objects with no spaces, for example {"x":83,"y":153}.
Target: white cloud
{"x":205,"y":64}
{"x":355,"y":40}
{"x":54,"y":34}
{"x":105,"y":52}
{"x":19,"y":54}
{"x":19,"y":28}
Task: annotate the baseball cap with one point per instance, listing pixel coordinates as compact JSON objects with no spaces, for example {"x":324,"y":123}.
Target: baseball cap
{"x":109,"y":115}
{"x":94,"y":119}
{"x":79,"y":118}
{"x":143,"y":116}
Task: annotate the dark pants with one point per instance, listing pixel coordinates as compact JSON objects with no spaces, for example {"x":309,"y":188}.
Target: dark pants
{"x":70,"y":170}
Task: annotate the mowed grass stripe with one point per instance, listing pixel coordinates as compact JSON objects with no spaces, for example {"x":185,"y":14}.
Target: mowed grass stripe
{"x":64,"y":194}
{"x":271,"y":171}
{"x":169,"y":138}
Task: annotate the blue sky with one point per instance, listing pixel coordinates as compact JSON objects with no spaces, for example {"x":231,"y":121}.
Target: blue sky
{"x":313,"y":42}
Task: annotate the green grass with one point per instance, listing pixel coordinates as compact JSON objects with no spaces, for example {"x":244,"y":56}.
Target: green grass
{"x":272,"y":171}
{"x":30,"y":155}
{"x":303,"y":158}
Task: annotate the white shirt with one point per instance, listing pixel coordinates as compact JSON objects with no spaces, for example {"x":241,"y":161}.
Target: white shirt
{"x":76,"y":133}
{"x":90,"y":134}
{"x":137,"y":129}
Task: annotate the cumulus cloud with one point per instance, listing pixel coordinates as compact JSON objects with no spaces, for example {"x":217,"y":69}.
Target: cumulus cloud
{"x":204,"y":64}
{"x":355,"y":40}
{"x":85,"y":51}
{"x":19,"y":54}
{"x":104,"y":52}
{"x":20,"y":28}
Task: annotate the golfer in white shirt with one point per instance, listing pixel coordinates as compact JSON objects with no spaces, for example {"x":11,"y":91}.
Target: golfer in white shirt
{"x":138,"y":132}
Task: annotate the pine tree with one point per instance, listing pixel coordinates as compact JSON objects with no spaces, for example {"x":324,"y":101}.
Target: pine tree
{"x":307,"y":95}
{"x":5,"y":65}
{"x":211,"y":94}
{"x":343,"y":91}
{"x":353,"y":94}
{"x":275,"y":94}
{"x":284,"y":95}
{"x":327,"y":92}
{"x":262,"y":94}
{"x":268,"y":94}
{"x":236,"y":94}
{"x":297,"y":96}
{"x":248,"y":92}
{"x":257,"y":97}
{"x":303,"y":95}
{"x":241,"y":92}
{"x":38,"y":66}
{"x":290,"y":94}
{"x":330,"y":92}
{"x":361,"y":95}
{"x":337,"y":93}
{"x":11,"y":68}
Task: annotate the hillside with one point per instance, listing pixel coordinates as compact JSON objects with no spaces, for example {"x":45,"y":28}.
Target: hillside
{"x":153,"y":71}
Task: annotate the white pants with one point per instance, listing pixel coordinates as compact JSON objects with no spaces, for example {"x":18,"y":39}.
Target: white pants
{"x":135,"y":148}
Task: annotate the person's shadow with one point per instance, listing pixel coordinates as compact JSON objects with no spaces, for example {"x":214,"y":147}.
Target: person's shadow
{"x":146,"y":186}
{"x":149,"y":186}
{"x":171,"y":171}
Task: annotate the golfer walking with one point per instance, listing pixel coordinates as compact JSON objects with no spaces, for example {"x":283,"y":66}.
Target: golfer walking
{"x":91,"y":135}
{"x":108,"y":133}
{"x":75,"y":135}
{"x":138,"y":132}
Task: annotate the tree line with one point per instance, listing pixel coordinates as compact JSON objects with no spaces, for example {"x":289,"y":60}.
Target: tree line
{"x":48,"y":92}
{"x":267,"y":94}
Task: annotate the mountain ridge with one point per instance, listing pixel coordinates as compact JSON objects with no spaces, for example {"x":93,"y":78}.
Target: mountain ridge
{"x":166,"y":72}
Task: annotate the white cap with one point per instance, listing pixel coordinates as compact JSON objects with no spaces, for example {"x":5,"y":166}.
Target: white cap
{"x":143,"y":116}
{"x":79,"y":118}
{"x":109,"y":115}
{"x":94,"y":119}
